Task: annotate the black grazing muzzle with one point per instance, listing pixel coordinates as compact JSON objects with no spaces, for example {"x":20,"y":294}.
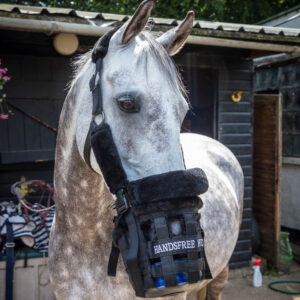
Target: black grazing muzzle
{"x":157,"y":228}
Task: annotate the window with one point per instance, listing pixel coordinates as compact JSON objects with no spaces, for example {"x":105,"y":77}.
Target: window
{"x":200,"y":84}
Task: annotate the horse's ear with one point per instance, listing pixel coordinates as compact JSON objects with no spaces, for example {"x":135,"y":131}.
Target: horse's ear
{"x":174,"y":39}
{"x":138,"y":21}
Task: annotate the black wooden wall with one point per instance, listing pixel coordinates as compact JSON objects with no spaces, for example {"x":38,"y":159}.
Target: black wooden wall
{"x":232,"y":122}
{"x":35,"y":95}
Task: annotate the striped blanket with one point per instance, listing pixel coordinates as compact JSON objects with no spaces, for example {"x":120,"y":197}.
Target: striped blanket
{"x":42,"y":228}
{"x":33,"y":229}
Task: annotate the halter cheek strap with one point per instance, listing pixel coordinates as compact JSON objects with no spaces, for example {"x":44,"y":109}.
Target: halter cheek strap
{"x":99,"y":52}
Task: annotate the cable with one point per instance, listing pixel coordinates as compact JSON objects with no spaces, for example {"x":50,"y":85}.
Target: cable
{"x":36,"y":210}
{"x":270,"y":285}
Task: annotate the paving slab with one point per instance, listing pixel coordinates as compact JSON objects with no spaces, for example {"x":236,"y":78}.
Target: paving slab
{"x":239,"y":285}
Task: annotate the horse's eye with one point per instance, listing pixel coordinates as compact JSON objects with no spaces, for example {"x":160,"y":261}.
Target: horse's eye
{"x":128,"y":104}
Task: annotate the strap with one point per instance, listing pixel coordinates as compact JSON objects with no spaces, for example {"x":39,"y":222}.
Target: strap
{"x":98,"y":53}
{"x":10,"y":261}
{"x":132,"y":255}
{"x":191,"y":228}
{"x":87,"y":147}
{"x":96,"y":89}
{"x":113,"y":261}
{"x":101,"y":47}
{"x":97,"y":109}
{"x":167,"y":262}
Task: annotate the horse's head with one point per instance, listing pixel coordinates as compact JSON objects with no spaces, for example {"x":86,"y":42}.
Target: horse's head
{"x":143,"y":97}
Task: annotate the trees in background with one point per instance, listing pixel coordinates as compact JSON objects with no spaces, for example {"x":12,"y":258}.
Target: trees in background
{"x":236,"y":11}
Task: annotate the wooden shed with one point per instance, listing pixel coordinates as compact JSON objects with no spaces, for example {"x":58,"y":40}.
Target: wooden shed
{"x":216,"y":64}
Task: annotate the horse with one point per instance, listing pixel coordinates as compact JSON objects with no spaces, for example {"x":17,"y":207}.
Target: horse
{"x":144,"y":102}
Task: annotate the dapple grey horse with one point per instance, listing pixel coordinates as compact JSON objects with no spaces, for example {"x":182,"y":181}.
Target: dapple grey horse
{"x":137,"y":71}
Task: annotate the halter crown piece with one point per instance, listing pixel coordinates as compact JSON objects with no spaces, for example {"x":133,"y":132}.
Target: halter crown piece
{"x":157,"y":228}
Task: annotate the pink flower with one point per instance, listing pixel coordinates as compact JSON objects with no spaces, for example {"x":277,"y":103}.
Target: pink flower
{"x":3,"y":71}
{"x":6,"y":78}
{"x":3,"y":116}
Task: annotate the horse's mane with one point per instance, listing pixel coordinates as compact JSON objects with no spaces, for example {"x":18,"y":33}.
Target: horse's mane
{"x":155,"y":49}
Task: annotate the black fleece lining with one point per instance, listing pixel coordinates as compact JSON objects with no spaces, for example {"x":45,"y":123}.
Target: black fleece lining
{"x":108,"y":158}
{"x":192,"y":203}
{"x":176,"y":184}
{"x":101,"y":47}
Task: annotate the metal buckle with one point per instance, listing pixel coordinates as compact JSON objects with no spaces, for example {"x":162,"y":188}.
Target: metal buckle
{"x":95,"y":116}
{"x":122,"y":204}
{"x":10,"y":245}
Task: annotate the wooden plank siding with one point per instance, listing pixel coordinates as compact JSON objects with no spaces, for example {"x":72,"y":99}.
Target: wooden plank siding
{"x":27,"y":147}
{"x":234,"y":123}
{"x":235,"y":131}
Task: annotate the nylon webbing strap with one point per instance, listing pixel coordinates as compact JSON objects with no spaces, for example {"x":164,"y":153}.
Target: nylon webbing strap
{"x":144,"y":261}
{"x":191,"y":229}
{"x":167,"y":262}
{"x":95,"y":88}
{"x":113,"y":261}
{"x":132,"y":255}
{"x":10,"y":261}
{"x":99,"y":52}
{"x":87,"y":147}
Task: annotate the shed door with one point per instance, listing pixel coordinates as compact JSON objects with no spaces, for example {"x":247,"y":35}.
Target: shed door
{"x":266,"y":173}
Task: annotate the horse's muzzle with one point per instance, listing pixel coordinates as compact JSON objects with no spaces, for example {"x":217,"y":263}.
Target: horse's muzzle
{"x":157,"y":227}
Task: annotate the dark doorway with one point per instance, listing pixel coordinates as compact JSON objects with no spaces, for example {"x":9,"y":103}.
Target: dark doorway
{"x":201,"y":87}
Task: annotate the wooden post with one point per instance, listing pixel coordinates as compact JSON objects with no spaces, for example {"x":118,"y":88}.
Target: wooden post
{"x":201,"y":295}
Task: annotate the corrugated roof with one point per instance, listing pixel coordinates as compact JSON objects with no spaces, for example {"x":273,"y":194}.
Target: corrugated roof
{"x":201,"y":28}
{"x":279,"y":15}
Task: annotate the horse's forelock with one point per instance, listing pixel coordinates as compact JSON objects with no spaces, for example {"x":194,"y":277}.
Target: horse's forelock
{"x":155,"y":50}
{"x":167,"y":64}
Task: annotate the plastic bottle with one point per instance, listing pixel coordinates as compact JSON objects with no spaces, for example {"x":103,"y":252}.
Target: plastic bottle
{"x":257,"y":277}
{"x":182,"y":277}
{"x":159,"y":282}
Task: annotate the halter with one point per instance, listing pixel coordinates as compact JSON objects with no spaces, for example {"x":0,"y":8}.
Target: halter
{"x":148,"y":208}
{"x":99,"y":52}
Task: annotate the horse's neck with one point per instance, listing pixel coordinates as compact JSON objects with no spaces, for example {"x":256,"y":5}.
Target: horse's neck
{"x":81,"y":196}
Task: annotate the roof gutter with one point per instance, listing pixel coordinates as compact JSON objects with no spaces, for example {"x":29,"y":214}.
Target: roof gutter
{"x":53,"y":27}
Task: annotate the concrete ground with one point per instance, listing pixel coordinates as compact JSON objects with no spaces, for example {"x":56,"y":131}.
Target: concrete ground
{"x":239,"y":286}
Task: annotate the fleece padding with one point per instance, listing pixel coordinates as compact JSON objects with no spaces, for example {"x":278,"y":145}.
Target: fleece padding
{"x":108,"y":158}
{"x":166,"y":206}
{"x":176,"y":184}
{"x":101,"y":47}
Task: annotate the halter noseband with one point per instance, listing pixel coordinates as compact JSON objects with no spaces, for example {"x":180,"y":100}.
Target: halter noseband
{"x":99,"y":52}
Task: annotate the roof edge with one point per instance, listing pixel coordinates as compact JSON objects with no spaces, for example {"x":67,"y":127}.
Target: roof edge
{"x":53,"y":27}
{"x":278,"y":15}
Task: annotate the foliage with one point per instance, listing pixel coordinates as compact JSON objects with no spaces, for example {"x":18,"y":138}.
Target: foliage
{"x":3,"y":80}
{"x":237,"y":11}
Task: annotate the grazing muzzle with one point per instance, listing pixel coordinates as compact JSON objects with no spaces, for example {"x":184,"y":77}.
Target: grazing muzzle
{"x":157,"y":228}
